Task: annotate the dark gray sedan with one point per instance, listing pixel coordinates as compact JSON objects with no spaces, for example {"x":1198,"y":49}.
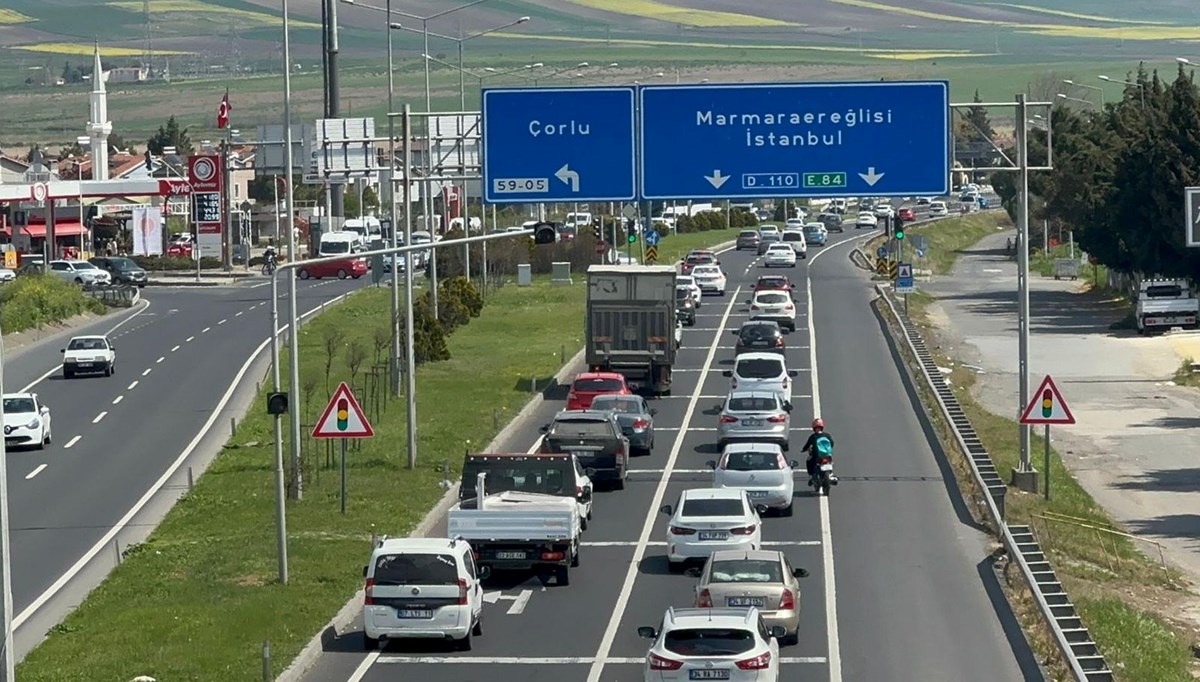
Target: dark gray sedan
{"x":635,"y":416}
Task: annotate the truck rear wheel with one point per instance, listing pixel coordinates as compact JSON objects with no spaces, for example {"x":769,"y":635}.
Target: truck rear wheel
{"x":575,"y":557}
{"x":562,"y":576}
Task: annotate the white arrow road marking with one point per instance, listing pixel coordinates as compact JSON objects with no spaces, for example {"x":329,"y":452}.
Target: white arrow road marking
{"x":871,"y":177}
{"x":519,"y":601}
{"x":568,"y":176}
{"x":716,"y":179}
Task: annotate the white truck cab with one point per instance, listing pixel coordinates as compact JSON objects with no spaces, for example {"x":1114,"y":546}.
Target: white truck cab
{"x":1165,"y":303}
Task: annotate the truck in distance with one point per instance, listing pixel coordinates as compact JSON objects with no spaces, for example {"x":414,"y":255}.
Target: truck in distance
{"x":1165,"y":303}
{"x":630,"y":326}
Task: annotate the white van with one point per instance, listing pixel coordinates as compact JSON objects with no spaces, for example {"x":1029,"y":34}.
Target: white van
{"x":368,"y":228}
{"x":339,"y":244}
{"x":578,"y":220}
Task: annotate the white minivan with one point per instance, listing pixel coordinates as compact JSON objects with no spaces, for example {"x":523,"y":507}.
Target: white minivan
{"x":368,"y":229}
{"x":339,"y":244}
{"x":762,"y":372}
{"x":422,"y":588}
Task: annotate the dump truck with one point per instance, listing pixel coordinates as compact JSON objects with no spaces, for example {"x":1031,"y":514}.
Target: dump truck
{"x":631,"y":323}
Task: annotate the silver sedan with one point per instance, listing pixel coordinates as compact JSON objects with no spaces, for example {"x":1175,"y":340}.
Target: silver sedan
{"x":759,"y":416}
{"x":759,"y":578}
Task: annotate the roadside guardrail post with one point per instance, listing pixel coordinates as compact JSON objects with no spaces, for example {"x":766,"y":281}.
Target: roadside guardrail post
{"x":266,"y":660}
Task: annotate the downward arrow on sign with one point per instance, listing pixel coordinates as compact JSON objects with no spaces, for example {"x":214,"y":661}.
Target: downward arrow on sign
{"x":871,"y":177}
{"x":716,"y":179}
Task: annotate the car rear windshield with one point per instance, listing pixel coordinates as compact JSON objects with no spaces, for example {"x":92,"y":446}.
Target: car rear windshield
{"x":793,"y":237}
{"x":580,"y":428}
{"x":748,"y":233}
{"x":752,"y":461}
{"x":754,"y":332}
{"x":752,"y":404}
{"x":416,"y":569}
{"x":747,"y":571}
{"x":18,"y":405}
{"x":624,"y":405}
{"x":772,"y":298}
{"x":550,"y":476}
{"x":713,"y":507}
{"x":682,"y":293}
{"x":597,"y":385}
{"x":759,"y":368}
{"x":772,"y":282}
{"x":86,"y":344}
{"x":709,"y":641}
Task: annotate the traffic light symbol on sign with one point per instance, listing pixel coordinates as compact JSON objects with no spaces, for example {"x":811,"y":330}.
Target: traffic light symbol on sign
{"x":1047,"y":403}
{"x":343,"y":417}
{"x":343,"y":414}
{"x":1046,"y":406}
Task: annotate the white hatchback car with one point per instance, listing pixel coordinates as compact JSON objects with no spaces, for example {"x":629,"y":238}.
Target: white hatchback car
{"x":775,"y":306}
{"x":938,"y":208}
{"x":89,"y":355}
{"x":690,"y":282}
{"x":707,"y":519}
{"x":761,"y":372}
{"x":780,"y":255}
{"x":422,"y":588}
{"x":26,"y":421}
{"x":709,"y":278}
{"x":731,"y":644}
{"x":761,"y":470}
{"x":866,"y":220}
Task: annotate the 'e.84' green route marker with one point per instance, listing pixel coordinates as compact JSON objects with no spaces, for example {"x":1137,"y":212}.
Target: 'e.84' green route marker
{"x":343,"y":418}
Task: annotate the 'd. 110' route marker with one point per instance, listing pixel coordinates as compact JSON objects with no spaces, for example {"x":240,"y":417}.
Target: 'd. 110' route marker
{"x":1047,"y":407}
{"x":343,"y":418}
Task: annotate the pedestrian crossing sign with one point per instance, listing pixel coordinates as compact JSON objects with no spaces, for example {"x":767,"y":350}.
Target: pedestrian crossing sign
{"x":1046,"y":406}
{"x":343,"y":417}
{"x":904,"y":271}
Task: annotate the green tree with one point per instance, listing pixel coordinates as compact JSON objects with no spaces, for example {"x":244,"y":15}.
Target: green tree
{"x":977,"y":117}
{"x":170,"y":135}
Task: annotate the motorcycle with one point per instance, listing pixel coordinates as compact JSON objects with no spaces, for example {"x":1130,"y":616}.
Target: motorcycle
{"x":823,"y":478}
{"x":268,"y":267}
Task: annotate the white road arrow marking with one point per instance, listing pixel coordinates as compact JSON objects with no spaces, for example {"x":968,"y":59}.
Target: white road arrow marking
{"x":568,"y":176}
{"x":519,"y":602}
{"x":871,"y":177}
{"x":716,"y":179}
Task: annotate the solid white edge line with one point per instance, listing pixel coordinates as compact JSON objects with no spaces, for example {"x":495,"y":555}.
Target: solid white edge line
{"x":36,"y":471}
{"x":154,"y":489}
{"x":54,"y":370}
{"x":72,"y":442}
{"x":610,"y":633}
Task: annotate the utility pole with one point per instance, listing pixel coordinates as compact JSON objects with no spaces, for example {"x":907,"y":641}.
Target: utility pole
{"x":334,"y":107}
{"x":1024,"y":476}
{"x":7,"y":662}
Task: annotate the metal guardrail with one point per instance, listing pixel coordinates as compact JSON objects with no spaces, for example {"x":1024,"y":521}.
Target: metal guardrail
{"x":1074,"y":641}
{"x":116,"y":295}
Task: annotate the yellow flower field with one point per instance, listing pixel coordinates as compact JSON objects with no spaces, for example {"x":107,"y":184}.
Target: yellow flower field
{"x":652,"y":9}
{"x":201,"y":7}
{"x":908,"y":11}
{"x":1117,"y":32}
{"x":12,"y":16}
{"x":1074,"y":15}
{"x":88,"y":49}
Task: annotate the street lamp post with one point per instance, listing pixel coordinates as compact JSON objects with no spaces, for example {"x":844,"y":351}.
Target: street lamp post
{"x":1076,"y":99}
{"x":1140,"y":86}
{"x":392,"y":217}
{"x":1098,"y":89}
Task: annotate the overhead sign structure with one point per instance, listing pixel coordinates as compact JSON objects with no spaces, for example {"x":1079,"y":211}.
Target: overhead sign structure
{"x":558,"y":144}
{"x":1192,"y":229}
{"x":904,"y":279}
{"x":1047,"y":406}
{"x":343,"y":417}
{"x":749,"y":141}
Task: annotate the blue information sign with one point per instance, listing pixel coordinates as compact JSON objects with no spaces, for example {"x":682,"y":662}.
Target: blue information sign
{"x":652,"y":238}
{"x":747,"y":141}
{"x":882,"y":251}
{"x":558,"y":144}
{"x":904,"y":279}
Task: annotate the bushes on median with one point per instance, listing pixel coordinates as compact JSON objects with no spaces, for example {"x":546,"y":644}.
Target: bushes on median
{"x":161,"y":263}
{"x":33,"y":300}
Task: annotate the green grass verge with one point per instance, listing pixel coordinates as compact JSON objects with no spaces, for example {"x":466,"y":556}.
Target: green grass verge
{"x":31,"y":301}
{"x":1135,"y":643}
{"x":945,"y":239}
{"x":196,"y":600}
{"x":1184,"y":376}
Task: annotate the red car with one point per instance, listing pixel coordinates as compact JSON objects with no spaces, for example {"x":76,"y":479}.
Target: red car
{"x":179,"y":250}
{"x":588,"y":385}
{"x":697,"y":258}
{"x":774,"y":283}
{"x":906,"y":213}
{"x":349,"y":267}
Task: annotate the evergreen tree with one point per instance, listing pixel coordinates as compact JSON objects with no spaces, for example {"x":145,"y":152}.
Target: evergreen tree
{"x":977,"y":117}
{"x":171,"y":135}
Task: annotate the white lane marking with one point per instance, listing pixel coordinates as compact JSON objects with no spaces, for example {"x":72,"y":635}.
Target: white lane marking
{"x":610,"y":633}
{"x":361,"y":671}
{"x":190,"y":339}
{"x":148,"y":370}
{"x":239,"y":313}
{"x":661,"y":543}
{"x":223,"y":321}
{"x":132,"y":386}
{"x":694,"y":369}
{"x":54,"y":370}
{"x":715,"y":397}
{"x":99,"y":417}
{"x":72,"y":442}
{"x":516,"y":660}
{"x":104,"y":542}
{"x":520,"y":603}
{"x":160,"y":359}
{"x":713,"y":428}
{"x":118,"y":399}
{"x":175,"y":349}
{"x":36,"y":471}
{"x":205,"y":330}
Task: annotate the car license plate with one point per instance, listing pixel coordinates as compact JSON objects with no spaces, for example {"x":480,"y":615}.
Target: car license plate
{"x":758,"y":493}
{"x":826,"y":467}
{"x":708,"y":674}
{"x":746,"y":601}
{"x":510,"y":555}
{"x":83,"y":364}
{"x":713,"y":535}
{"x":752,"y":422}
{"x":414,"y":613}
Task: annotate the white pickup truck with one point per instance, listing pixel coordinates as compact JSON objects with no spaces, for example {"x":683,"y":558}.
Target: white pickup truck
{"x":515,"y":530}
{"x":1166,"y":303}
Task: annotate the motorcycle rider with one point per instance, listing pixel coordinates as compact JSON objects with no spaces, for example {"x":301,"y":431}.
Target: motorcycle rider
{"x":819,"y":443}
{"x":270,"y":260}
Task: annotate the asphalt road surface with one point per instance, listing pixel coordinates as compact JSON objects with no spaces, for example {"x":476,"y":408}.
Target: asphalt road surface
{"x":114,"y":437}
{"x":899,"y":589}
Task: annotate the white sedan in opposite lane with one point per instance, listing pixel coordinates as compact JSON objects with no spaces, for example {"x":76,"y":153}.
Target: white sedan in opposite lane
{"x":780,"y":255}
{"x":26,"y":421}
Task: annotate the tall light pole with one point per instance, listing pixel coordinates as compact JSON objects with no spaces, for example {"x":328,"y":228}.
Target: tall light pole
{"x":1076,"y":99}
{"x":1140,"y":86}
{"x":395,"y":379}
{"x":1097,"y":88}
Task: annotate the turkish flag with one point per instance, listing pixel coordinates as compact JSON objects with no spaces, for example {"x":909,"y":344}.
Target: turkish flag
{"x":223,"y":111}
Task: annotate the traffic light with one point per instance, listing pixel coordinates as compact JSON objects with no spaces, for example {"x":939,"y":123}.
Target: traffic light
{"x":632,"y":238}
{"x":598,"y":232}
{"x":277,"y":403}
{"x":544,"y":233}
{"x":899,"y":227}
{"x":343,"y":414}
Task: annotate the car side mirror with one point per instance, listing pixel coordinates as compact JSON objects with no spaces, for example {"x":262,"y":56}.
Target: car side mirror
{"x":45,"y":410}
{"x":793,"y":373}
{"x":544,"y":428}
{"x":711,"y":464}
{"x":589,"y":472}
{"x":365,"y":571}
{"x":800,"y":573}
{"x":762,"y":509}
{"x":694,"y":572}
{"x":62,"y":350}
{"x":653,"y":411}
{"x":666,"y":509}
{"x":727,"y":373}
{"x":787,"y":407}
{"x":647,"y":632}
{"x":484,"y":572}
{"x":778,"y":632}
{"x":586,"y":495}
{"x":794,"y":464}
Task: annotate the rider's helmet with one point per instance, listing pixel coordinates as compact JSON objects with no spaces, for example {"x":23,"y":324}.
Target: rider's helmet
{"x":818,"y":424}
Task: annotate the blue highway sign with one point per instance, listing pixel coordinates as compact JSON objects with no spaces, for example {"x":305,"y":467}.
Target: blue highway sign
{"x":558,"y":144}
{"x":747,"y":141}
{"x":652,"y":238}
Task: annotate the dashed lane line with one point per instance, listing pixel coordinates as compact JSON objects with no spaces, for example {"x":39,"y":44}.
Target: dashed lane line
{"x":239,"y":313}
{"x":205,"y":330}
{"x":160,"y":359}
{"x":132,"y":386}
{"x":175,"y":349}
{"x":223,"y":321}
{"x":118,"y":399}
{"x":663,"y":543}
{"x":190,"y":339}
{"x":71,"y":443}
{"x":148,"y":370}
{"x":36,"y":471}
{"x":99,"y":417}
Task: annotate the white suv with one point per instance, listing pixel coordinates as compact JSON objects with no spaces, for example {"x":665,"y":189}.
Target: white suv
{"x":795,"y":239}
{"x":423,"y":588}
{"x":762,"y":372}
{"x":713,"y":644}
{"x":773,"y":305}
{"x":80,"y":272}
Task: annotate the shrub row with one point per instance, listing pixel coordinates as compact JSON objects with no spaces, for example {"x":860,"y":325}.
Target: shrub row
{"x":161,"y":263}
{"x":32,"y":300}
{"x":714,"y":220}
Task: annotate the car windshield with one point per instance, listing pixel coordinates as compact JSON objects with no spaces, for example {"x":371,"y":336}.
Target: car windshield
{"x":752,"y":461}
{"x":752,"y":404}
{"x":330,"y":248}
{"x":771,"y":298}
{"x":18,"y":405}
{"x":416,"y":569}
{"x":597,"y":385}
{"x":746,"y":571}
{"x":84,"y":265}
{"x":713,"y":507}
{"x":122,"y":264}
{"x":685,"y":281}
{"x":754,"y":332}
{"x":682,"y":293}
{"x":622,"y":405}
{"x":748,"y":233}
{"x":759,"y":368}
{"x":709,"y":641}
{"x":86,"y":344}
{"x":580,"y":428}
{"x":550,"y":476}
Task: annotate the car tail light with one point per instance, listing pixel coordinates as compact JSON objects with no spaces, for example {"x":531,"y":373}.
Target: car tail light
{"x":777,"y":419}
{"x":761,"y":662}
{"x":726,"y":419}
{"x":640,"y":423}
{"x":549,"y":556}
{"x":704,"y":601}
{"x":779,"y":342}
{"x":680,"y":530}
{"x":578,"y":491}
{"x":744,"y":530}
{"x":787,"y":602}
{"x":659,"y":663}
{"x":788,"y":307}
{"x":825,"y":460}
{"x":369,"y":591}
{"x":754,"y":307}
{"x":462,"y":592}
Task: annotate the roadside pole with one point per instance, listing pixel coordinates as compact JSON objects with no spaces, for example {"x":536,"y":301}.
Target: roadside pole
{"x":1046,"y":463}
{"x":6,"y":598}
{"x":343,"y":474}
{"x":410,"y":360}
{"x":1025,"y":476}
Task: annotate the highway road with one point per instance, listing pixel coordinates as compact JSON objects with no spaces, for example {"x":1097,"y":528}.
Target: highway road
{"x":900,"y":587}
{"x":178,"y":352}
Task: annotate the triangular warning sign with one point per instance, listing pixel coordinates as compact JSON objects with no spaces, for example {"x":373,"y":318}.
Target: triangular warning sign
{"x":343,"y":418}
{"x":1047,"y":406}
{"x":905,"y":270}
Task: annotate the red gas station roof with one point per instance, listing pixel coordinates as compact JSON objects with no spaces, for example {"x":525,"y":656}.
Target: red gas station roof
{"x":62,"y":228}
